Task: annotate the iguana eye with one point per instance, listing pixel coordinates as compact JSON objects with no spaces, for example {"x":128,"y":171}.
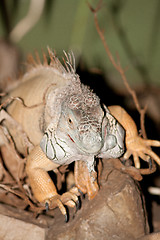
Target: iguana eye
{"x":70,"y":123}
{"x":70,"y":120}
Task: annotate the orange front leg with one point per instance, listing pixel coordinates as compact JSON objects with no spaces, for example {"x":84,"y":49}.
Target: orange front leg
{"x":135,"y":145}
{"x":42,"y":186}
{"x":84,"y":180}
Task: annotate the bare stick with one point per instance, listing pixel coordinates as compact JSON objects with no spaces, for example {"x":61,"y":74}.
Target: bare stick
{"x":118,"y":67}
{"x":24,"y":197}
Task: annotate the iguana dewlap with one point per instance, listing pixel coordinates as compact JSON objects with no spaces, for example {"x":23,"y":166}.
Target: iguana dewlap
{"x":66,"y":122}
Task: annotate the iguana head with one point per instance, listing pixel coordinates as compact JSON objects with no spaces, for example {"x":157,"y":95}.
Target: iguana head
{"x":77,"y":125}
{"x":81,"y":119}
{"x":84,"y":128}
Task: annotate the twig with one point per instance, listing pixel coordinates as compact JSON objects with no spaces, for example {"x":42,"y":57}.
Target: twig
{"x":118,"y":67}
{"x":23,"y":196}
{"x":11,"y":99}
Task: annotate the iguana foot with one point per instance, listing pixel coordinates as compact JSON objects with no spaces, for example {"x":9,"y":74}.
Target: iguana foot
{"x":139,"y":147}
{"x":69,"y":199}
{"x":135,"y":145}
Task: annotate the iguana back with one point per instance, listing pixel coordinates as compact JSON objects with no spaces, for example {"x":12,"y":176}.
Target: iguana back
{"x":32,"y":92}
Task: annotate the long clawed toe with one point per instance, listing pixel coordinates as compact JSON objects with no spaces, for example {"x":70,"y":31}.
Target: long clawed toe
{"x":149,"y":152}
{"x":74,"y":200}
{"x":141,"y":149}
{"x":56,"y":202}
{"x":70,"y":199}
{"x":153,"y":143}
{"x":147,"y":156}
{"x":72,"y":203}
{"x":63,"y":211}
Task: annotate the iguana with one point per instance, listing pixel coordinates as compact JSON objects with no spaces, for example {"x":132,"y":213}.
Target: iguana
{"x":64,"y":121}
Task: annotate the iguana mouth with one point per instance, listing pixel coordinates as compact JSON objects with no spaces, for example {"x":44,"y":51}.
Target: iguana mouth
{"x":71,"y":138}
{"x":84,"y":147}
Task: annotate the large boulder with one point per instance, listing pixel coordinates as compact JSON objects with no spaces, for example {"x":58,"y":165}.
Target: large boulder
{"x":117,"y":212}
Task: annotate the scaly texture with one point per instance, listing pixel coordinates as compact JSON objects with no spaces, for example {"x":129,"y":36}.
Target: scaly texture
{"x":64,"y":122}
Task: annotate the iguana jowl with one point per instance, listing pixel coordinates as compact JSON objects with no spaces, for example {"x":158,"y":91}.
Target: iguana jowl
{"x":66,"y":122}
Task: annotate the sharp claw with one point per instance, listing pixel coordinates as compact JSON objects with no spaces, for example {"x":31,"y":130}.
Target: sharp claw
{"x":150,"y":164}
{"x":78,"y":205}
{"x":82,"y":194}
{"x":46,"y":206}
{"x":123,"y":161}
{"x":66,"y":217}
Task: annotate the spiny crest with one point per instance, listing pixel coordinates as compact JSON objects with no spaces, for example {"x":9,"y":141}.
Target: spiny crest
{"x":69,"y":62}
{"x":36,"y":62}
{"x":76,"y":94}
{"x":67,"y":71}
{"x":53,"y":61}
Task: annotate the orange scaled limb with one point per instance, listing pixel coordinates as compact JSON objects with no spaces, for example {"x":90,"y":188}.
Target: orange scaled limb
{"x":42,"y":185}
{"x":135,"y":145}
{"x":85,"y":181}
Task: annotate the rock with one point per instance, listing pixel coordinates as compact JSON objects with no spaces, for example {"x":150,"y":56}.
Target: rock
{"x":117,"y":212}
{"x":14,"y":229}
{"x":152,"y":236}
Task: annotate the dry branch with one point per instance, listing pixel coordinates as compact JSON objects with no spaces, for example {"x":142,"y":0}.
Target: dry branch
{"x":118,"y":67}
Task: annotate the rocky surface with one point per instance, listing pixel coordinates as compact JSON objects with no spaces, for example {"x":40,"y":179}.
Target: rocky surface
{"x":117,"y":212}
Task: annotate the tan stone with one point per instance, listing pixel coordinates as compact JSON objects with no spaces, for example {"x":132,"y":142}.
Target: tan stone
{"x":14,"y":229}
